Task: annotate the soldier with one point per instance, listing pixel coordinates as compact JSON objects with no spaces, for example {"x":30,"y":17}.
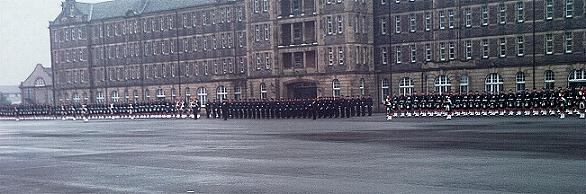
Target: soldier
{"x":527,"y":104}
{"x":510,"y":103}
{"x":408,"y":106}
{"x":582,"y":102}
{"x":16,"y":113}
{"x":536,"y":101}
{"x":389,"y":107}
{"x":552,"y":101}
{"x":544,"y":101}
{"x":195,"y":108}
{"x":562,"y":104}
{"x":571,"y":96}
{"x":448,"y":106}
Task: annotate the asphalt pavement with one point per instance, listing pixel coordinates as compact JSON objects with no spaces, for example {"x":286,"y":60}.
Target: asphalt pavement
{"x":357,"y":155}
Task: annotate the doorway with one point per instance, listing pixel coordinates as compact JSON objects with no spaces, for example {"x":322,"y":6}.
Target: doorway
{"x":302,"y":90}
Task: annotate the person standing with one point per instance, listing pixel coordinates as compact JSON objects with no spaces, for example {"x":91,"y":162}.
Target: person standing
{"x":225,"y":107}
{"x":582,"y":102}
{"x":195,"y":107}
{"x":562,"y":102}
{"x":448,"y":106}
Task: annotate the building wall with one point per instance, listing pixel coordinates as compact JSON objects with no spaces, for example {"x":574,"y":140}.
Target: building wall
{"x":36,"y":95}
{"x":518,"y":37}
{"x":315,"y":41}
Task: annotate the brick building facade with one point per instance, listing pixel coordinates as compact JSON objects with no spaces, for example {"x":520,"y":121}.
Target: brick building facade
{"x":141,"y":50}
{"x":479,"y":45}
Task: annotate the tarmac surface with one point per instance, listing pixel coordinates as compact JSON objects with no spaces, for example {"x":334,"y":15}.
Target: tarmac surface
{"x":358,"y":155}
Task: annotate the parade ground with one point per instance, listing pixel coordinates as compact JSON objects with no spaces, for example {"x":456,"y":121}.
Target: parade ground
{"x":357,"y":155}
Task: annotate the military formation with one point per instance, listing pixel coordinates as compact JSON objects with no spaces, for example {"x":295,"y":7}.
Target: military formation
{"x":340,"y":107}
{"x":158,"y":109}
{"x":560,"y":102}
{"x":324,"y":107}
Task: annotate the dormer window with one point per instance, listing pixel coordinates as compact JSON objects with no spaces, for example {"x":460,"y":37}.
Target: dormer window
{"x":40,"y":82}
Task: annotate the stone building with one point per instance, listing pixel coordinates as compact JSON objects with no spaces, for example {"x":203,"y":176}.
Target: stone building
{"x":142,"y":50}
{"x":488,"y":45}
{"x":37,"y":89}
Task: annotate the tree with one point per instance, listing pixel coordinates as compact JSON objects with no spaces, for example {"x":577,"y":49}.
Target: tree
{"x":3,"y":100}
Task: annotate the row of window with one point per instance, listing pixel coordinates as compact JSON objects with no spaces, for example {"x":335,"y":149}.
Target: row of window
{"x":262,"y":32}
{"x":202,"y":95}
{"x":170,"y":70}
{"x":291,"y":8}
{"x":73,"y":76}
{"x":69,"y":34}
{"x":447,"y":50}
{"x":70,"y":55}
{"x":260,"y":5}
{"x":448,"y":18}
{"x":160,"y":23}
{"x":334,"y":25}
{"x":340,"y":55}
{"x":493,"y":83}
{"x":263,"y":59}
{"x":337,"y":87}
{"x":168,"y":46}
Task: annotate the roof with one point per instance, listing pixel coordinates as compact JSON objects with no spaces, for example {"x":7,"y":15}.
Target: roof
{"x":120,"y":8}
{"x":40,"y":72}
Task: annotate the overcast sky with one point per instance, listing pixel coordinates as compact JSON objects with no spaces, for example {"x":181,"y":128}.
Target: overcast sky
{"x":24,"y":36}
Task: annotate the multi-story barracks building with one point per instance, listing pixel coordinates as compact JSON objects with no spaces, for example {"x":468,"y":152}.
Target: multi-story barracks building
{"x":143,"y":50}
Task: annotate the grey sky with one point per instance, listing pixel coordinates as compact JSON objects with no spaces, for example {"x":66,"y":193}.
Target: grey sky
{"x":24,"y":36}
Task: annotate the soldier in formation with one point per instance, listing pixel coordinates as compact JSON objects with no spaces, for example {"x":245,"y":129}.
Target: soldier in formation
{"x":324,"y":107}
{"x":561,"y":102}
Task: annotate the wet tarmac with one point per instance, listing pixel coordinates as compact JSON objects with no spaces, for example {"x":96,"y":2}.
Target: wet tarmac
{"x":358,"y":155}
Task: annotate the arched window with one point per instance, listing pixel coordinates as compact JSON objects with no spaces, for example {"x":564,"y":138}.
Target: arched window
{"x":126,"y":96}
{"x":464,"y":83}
{"x":493,"y":83}
{"x":115,"y":96}
{"x":263,"y":91}
{"x":406,"y":86}
{"x":221,"y":93}
{"x":202,"y":96}
{"x":173,"y":93}
{"x":147,"y":94}
{"x":577,"y":76}
{"x":84,"y":96}
{"x":135,"y":95}
{"x":385,"y":89}
{"x":520,"y":81}
{"x":362,"y":87}
{"x":238,"y":93}
{"x":187,"y":93}
{"x":549,"y":79}
{"x":40,"y":82}
{"x":443,"y":84}
{"x":100,"y":97}
{"x":336,"y":90}
{"x":161,"y":94}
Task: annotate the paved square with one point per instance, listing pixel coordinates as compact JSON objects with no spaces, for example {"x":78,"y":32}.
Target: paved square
{"x":359,"y":155}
